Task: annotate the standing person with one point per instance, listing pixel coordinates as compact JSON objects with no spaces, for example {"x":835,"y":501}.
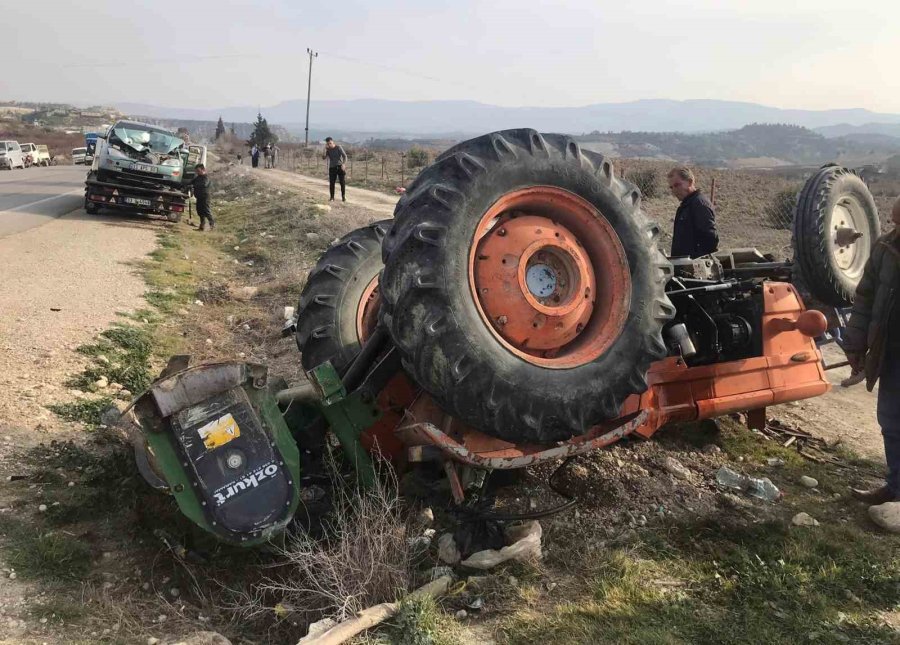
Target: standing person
{"x":267,"y":153}
{"x":200,"y":186}
{"x":274,"y":155}
{"x":240,"y":159}
{"x":694,"y":233}
{"x":872,"y":345}
{"x":254,"y":156}
{"x":336,"y":160}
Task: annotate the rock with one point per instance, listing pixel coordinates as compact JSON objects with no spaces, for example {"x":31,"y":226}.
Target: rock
{"x":174,"y":592}
{"x":775,"y":461}
{"x":199,"y":303}
{"x":447,"y":549}
{"x":804,"y":519}
{"x":288,"y":313}
{"x":125,"y":394}
{"x":71,"y":484}
{"x":209,"y":341}
{"x":115,"y":387}
{"x":675,"y":467}
{"x":110,"y":416}
{"x":161,"y":618}
{"x":12,"y":576}
{"x":102,"y":359}
{"x":237,"y":248}
{"x":146,"y":586}
{"x":809,"y":482}
{"x":426,"y":516}
{"x":204,"y":638}
{"x":42,"y":508}
{"x":101,"y":383}
{"x":711,"y":448}
{"x":887,"y":516}
{"x":245,"y":327}
{"x":152,"y":641}
{"x":322,"y":207}
{"x":312,"y":236}
{"x":461,"y":614}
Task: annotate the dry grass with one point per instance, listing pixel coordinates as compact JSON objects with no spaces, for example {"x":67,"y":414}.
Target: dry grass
{"x":364,"y":559}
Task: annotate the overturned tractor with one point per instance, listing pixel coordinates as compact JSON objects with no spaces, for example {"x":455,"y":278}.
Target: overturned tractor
{"x":516,"y":309}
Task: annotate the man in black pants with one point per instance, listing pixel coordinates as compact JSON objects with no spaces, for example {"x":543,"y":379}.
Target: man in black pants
{"x":200,"y":186}
{"x":336,"y":160}
{"x":694,"y":233}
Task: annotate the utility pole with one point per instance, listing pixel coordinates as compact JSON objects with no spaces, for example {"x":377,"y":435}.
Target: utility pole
{"x":312,"y":55}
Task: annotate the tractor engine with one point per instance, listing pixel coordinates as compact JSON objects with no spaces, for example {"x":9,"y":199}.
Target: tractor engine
{"x":719,"y":305}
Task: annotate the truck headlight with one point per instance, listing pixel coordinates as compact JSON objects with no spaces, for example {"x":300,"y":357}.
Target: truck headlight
{"x":171,"y":162}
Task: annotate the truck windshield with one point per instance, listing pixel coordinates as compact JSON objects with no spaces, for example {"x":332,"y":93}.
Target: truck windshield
{"x":78,"y":151}
{"x":143,"y":140}
{"x":3,"y":145}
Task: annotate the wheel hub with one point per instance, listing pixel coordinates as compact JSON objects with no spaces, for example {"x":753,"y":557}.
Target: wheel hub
{"x":848,"y":241}
{"x":533,"y":272}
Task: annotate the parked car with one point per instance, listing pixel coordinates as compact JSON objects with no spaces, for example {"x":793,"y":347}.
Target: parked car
{"x":79,"y":156}
{"x":11,"y":155}
{"x":35,"y":155}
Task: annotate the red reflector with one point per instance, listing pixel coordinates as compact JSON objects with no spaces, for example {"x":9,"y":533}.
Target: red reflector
{"x":177,"y":208}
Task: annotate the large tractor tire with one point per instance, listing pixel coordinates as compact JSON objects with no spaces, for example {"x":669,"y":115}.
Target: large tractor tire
{"x":339,"y":305}
{"x":523,"y":286}
{"x":835,"y":225}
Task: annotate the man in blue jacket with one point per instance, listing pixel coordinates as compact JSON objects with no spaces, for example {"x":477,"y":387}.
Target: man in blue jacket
{"x":694,"y":233}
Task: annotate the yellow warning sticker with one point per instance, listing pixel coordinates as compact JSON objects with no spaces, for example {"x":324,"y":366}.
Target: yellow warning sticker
{"x":219,"y":432}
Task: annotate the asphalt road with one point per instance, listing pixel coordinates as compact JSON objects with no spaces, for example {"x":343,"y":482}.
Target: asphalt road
{"x":34,"y":196}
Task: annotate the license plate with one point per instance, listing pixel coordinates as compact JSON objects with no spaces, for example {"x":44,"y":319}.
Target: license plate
{"x":137,"y":201}
{"x":142,"y":167}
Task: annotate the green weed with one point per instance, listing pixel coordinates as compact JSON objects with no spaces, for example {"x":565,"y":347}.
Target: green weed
{"x":87,"y":412}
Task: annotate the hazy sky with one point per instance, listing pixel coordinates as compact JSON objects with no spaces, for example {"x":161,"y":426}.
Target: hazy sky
{"x":804,"y":54}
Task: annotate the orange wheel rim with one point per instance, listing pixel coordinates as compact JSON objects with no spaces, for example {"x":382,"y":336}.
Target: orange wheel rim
{"x":549,"y":276}
{"x":367,"y":311}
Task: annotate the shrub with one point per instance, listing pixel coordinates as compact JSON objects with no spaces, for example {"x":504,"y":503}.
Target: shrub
{"x":779,"y":213}
{"x":647,"y":181}
{"x":417,"y":157}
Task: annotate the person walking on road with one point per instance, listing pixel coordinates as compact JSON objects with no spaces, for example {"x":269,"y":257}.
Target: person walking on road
{"x":336,"y":160}
{"x":694,"y":233}
{"x":872,"y":345}
{"x":254,"y":156}
{"x":200,"y":186}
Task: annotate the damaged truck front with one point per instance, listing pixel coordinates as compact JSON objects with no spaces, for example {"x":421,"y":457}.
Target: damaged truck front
{"x":142,"y":168}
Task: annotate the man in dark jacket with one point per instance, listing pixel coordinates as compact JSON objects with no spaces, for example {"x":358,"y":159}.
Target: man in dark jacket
{"x":336,"y":159}
{"x":200,"y":186}
{"x":872,"y":345}
{"x":694,"y":233}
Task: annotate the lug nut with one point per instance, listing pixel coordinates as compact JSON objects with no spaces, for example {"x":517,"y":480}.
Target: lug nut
{"x":502,"y":320}
{"x":501,"y":232}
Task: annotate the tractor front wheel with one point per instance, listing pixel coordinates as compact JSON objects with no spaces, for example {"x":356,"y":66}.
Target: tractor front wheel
{"x":338,"y":307}
{"x":523,"y":286}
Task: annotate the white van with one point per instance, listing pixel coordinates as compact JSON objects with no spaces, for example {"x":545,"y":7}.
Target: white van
{"x":11,"y":155}
{"x":79,"y":156}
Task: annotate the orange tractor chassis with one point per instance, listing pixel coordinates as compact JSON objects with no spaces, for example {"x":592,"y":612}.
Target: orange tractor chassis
{"x":790,"y":369}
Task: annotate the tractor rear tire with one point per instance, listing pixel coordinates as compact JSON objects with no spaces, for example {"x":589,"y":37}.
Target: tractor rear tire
{"x":339,"y":303}
{"x":91,"y":208}
{"x":834,"y":198}
{"x":452,"y":266}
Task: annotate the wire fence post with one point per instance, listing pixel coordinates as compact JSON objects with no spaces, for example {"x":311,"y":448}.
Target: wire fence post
{"x":712,"y":192}
{"x":402,"y":159}
{"x":382,"y":166}
{"x":366,"y":171}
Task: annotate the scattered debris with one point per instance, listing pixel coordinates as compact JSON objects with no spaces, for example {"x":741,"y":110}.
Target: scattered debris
{"x":761,"y":488}
{"x":523,"y":543}
{"x":426,"y":516}
{"x":808,"y":446}
{"x":775,"y":461}
{"x":447,"y":550}
{"x":288,"y":313}
{"x":804,"y":519}
{"x":461,"y":614}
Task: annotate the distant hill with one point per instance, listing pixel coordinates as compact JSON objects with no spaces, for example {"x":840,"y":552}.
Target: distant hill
{"x":846,"y":129}
{"x":455,"y":119}
{"x":778,"y":143}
